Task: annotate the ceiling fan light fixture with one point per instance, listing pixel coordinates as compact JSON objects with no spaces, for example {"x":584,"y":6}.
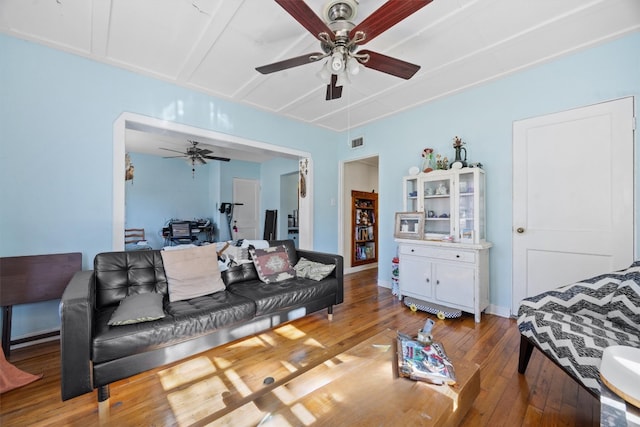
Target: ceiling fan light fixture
{"x":324,"y":73}
{"x":337,"y":62}
{"x":353,"y":66}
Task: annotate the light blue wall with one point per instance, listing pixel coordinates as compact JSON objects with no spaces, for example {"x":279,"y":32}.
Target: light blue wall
{"x":57,"y":112}
{"x":164,"y":189}
{"x":483,"y":117}
{"x":270,"y":196}
{"x":56,"y":124}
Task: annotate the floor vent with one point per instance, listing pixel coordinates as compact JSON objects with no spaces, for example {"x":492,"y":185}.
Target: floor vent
{"x":357,"y":142}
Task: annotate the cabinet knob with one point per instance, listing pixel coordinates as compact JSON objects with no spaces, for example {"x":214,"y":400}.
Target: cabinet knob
{"x":428,"y":280}
{"x":457,"y":255}
{"x":437,"y":282}
{"x":520,"y":230}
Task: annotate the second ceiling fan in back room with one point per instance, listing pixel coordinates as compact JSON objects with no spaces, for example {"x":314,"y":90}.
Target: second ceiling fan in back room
{"x":194,"y":154}
{"x":340,"y":39}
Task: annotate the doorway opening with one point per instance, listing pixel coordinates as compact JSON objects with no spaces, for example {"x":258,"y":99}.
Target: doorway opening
{"x":131,"y":121}
{"x":360,"y":174}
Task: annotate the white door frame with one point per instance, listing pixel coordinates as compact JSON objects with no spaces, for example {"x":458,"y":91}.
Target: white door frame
{"x":341,"y":216}
{"x":129,"y":120}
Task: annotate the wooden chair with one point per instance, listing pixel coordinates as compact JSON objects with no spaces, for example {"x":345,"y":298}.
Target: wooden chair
{"x":133,"y":235}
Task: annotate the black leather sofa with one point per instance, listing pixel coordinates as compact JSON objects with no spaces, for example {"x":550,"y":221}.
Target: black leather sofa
{"x":94,"y":354}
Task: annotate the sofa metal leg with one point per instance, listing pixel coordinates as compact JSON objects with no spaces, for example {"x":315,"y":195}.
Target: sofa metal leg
{"x":103,"y":393}
{"x":526,"y":348}
{"x":330,"y":313}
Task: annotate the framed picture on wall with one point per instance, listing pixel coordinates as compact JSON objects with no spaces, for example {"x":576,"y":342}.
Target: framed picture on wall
{"x":409,"y":225}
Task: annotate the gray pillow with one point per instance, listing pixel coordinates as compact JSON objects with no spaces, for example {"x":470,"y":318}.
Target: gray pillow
{"x":138,"y":308}
{"x":312,"y":270}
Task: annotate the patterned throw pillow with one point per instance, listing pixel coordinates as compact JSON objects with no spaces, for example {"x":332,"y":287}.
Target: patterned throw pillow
{"x":625,"y":305}
{"x":272,"y":264}
{"x":312,"y":270}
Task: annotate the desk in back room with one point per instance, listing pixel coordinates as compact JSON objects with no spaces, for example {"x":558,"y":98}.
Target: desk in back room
{"x":197,"y":228}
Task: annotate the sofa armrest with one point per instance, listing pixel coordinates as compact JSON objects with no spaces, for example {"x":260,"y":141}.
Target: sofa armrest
{"x":327,"y":258}
{"x":76,"y":330}
{"x":592,"y":296}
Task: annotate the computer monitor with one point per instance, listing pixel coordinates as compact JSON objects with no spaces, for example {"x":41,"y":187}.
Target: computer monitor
{"x":180,"y":230}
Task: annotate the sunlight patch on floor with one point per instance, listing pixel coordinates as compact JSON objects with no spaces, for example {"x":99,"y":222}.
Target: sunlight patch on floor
{"x":303,"y":414}
{"x":290,"y":332}
{"x":313,"y":343}
{"x":198,"y":401}
{"x":248,"y":414}
{"x":249,"y":342}
{"x":284,"y":395}
{"x":290,"y":367}
{"x":235,"y":379}
{"x":267,"y":339}
{"x":186,"y":372}
{"x":221,"y":362}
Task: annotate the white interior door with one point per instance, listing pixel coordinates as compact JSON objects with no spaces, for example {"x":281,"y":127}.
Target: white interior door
{"x":572,"y":196}
{"x":246,"y":217}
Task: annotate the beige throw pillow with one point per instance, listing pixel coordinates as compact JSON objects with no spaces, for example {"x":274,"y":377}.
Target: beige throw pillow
{"x":192,"y":272}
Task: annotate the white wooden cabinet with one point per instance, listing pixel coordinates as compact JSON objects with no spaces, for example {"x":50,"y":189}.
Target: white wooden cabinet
{"x":453,"y":202}
{"x":455,"y":275}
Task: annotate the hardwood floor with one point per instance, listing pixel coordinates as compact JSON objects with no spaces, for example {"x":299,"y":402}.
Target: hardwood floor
{"x":200,"y":390}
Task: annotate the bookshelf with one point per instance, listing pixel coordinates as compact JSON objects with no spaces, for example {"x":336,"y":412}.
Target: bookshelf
{"x":364,"y":236}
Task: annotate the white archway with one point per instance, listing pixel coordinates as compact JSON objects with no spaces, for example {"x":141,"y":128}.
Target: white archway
{"x":145,"y":123}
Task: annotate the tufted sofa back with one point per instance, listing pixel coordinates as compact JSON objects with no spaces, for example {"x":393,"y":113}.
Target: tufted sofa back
{"x":119,"y":274}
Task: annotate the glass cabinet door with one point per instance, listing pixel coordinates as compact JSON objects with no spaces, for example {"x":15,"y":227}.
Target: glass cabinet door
{"x":436,"y":193}
{"x":410,"y":189}
{"x":467,"y":207}
{"x":471,"y":206}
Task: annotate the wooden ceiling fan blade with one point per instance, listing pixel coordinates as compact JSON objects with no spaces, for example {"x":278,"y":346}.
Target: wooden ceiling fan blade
{"x":389,"y":65}
{"x":290,"y":63}
{"x":302,"y":13}
{"x":204,"y":151}
{"x":385,"y":17}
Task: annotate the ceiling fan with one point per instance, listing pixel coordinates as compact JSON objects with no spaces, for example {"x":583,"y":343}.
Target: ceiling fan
{"x":340,"y":39}
{"x":195,"y":154}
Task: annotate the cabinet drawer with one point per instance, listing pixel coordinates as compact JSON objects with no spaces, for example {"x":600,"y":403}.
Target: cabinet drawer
{"x":452,"y":254}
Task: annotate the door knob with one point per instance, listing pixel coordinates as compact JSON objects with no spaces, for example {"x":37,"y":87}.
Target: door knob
{"x":520,"y":230}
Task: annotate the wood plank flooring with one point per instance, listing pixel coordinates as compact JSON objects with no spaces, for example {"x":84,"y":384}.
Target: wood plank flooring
{"x":203,"y":389}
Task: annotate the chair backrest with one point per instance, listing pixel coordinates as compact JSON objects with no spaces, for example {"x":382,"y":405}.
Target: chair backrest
{"x":133,"y":235}
{"x":180,"y":230}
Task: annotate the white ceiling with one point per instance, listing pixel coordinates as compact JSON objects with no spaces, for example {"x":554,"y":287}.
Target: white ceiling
{"x":213,"y":46}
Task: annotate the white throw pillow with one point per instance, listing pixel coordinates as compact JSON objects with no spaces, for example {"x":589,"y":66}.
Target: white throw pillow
{"x":192,"y":272}
{"x":312,"y":270}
